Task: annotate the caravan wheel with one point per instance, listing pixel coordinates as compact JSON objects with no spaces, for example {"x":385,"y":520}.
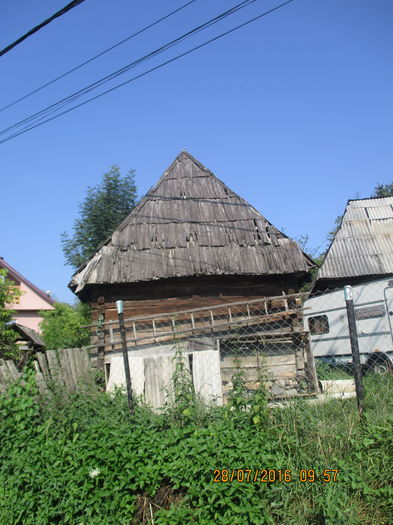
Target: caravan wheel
{"x":379,"y":363}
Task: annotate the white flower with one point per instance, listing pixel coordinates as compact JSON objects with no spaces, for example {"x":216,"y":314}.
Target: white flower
{"x":94,"y":472}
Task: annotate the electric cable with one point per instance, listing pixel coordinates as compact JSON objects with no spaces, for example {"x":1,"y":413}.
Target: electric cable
{"x":62,"y":12}
{"x":139,"y":32}
{"x":73,"y":97}
{"x":159,"y":66}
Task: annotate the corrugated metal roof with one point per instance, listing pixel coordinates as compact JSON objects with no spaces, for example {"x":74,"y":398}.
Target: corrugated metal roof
{"x":364,"y":243}
{"x":379,"y":212}
{"x":191,"y":223}
{"x":371,"y":202}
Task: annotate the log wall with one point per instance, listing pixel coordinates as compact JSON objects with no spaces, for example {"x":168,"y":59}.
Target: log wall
{"x":154,"y":298}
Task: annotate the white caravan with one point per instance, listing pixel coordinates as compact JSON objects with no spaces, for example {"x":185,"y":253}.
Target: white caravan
{"x":325,"y":317}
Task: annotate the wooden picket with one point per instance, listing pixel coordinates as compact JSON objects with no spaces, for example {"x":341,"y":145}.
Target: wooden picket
{"x":53,"y":367}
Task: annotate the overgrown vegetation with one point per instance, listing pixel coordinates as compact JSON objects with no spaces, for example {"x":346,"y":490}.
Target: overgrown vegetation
{"x":8,"y":294}
{"x":80,"y":458}
{"x":334,"y":371}
{"x":62,"y":326}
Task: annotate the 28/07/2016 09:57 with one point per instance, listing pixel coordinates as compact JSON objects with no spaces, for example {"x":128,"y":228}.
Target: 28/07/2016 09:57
{"x":274,"y":475}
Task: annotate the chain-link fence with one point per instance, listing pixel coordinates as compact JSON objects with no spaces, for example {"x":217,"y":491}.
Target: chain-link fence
{"x":351,"y":338}
{"x":293,"y":345}
{"x":326,"y":319}
{"x":265,"y":339}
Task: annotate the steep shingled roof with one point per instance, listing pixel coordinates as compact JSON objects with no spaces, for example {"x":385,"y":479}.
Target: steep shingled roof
{"x":191,"y":223}
{"x":363,"y":245}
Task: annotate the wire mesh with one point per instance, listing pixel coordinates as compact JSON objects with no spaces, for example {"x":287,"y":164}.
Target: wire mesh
{"x":263,"y":339}
{"x":291,"y":345}
{"x":326,"y":321}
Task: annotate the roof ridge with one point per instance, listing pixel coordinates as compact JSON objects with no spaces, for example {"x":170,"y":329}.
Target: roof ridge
{"x":188,"y":193}
{"x":22,"y":278}
{"x":370,"y":198}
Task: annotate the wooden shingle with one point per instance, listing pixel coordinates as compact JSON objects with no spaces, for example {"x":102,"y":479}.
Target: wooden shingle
{"x":190,"y":223}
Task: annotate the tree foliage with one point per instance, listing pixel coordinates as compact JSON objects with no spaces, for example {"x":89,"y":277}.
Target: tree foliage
{"x":383,"y":190}
{"x":8,"y":295}
{"x":103,"y":209}
{"x":337,"y":223}
{"x":61,"y":327}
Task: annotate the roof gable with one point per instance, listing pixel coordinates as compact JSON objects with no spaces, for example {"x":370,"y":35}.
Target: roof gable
{"x":363,"y":245}
{"x":191,"y":223}
{"x":14,"y":274}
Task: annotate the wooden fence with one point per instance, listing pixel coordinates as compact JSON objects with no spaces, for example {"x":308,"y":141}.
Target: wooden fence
{"x":61,"y":367}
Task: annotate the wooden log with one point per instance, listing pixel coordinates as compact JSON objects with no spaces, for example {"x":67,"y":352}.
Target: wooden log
{"x":4,"y":373}
{"x":77,"y":359}
{"x":54,"y":367}
{"x":311,"y":371}
{"x":250,"y":374}
{"x":65,"y":370}
{"x":85,"y":359}
{"x":43,"y":364}
{"x":40,"y":379}
{"x":264,"y":331}
{"x":281,"y":372}
{"x":79,"y":363}
{"x":13,"y":372}
{"x":72,"y":353}
{"x":239,"y":362}
{"x":156,"y":307}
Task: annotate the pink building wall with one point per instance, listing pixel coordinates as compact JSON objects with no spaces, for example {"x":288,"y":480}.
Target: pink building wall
{"x":31,"y":301}
{"x":26,"y":311}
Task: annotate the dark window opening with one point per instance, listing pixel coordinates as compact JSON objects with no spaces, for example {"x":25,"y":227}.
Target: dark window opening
{"x":318,"y":324}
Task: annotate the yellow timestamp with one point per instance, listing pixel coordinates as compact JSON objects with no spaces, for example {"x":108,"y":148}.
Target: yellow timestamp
{"x":247,"y":475}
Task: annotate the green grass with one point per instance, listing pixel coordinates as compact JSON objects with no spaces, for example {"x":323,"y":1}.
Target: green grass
{"x":328,"y":371}
{"x":162,"y":465}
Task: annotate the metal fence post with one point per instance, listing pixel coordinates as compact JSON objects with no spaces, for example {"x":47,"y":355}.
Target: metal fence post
{"x":353,"y":336}
{"x":120,"y":308}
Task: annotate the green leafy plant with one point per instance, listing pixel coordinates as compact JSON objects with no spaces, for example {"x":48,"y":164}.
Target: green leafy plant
{"x":182,"y":402}
{"x":8,"y":294}
{"x":78,"y":458}
{"x":327,"y":371}
{"x":238,"y":398}
{"x":62,"y":326}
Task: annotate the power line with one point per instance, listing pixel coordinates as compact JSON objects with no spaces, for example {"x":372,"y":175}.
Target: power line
{"x":62,"y":11}
{"x":139,"y":32}
{"x":24,"y":130}
{"x":163,"y":64}
{"x":74,"y":96}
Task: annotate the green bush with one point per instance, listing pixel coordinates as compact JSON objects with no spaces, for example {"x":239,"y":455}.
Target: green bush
{"x":62,"y":326}
{"x":9,"y":294}
{"x":82,"y":459}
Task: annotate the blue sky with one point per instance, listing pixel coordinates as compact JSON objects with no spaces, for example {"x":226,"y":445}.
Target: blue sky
{"x":293,"y":112}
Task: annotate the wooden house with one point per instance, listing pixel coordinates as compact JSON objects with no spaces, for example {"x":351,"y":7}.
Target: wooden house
{"x":191,"y":243}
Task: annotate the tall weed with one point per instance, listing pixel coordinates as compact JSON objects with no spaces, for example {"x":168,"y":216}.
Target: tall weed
{"x":79,"y":458}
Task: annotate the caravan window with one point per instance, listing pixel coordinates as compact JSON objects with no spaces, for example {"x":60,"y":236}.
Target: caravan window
{"x":370,"y":312}
{"x":318,"y":324}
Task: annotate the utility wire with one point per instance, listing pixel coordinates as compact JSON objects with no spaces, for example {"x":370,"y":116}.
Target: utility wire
{"x":73,"y":97}
{"x":62,"y":11}
{"x":139,"y":32}
{"x":163,"y":64}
